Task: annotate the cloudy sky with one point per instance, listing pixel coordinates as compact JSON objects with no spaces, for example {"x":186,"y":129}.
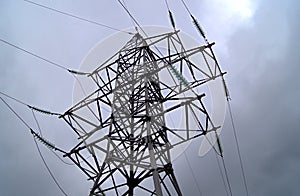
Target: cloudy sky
{"x":256,"y":43}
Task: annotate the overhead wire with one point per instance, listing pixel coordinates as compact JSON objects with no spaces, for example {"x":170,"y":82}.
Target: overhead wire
{"x":43,"y":159}
{"x":228,"y":98}
{"x":33,"y":54}
{"x":216,"y":152}
{"x":181,"y":78}
{"x":33,"y":108}
{"x":40,"y":131}
{"x":132,"y":17}
{"x":170,"y":15}
{"x":195,"y":22}
{"x":186,"y":7}
{"x":137,"y":23}
{"x":38,"y":124}
{"x":132,"y":21}
{"x":189,"y":164}
{"x":13,"y":98}
{"x":42,"y":58}
{"x":184,"y":81}
{"x":224,"y":167}
{"x":221,"y":173}
{"x":30,"y":106}
{"x":226,"y":175}
{"x":19,"y":117}
{"x":48,"y":169}
{"x":77,"y":17}
{"x":193,"y":175}
{"x":72,"y":72}
{"x":223,"y":163}
{"x":167,"y":4}
{"x":238,"y":147}
{"x":228,"y":102}
{"x":34,"y":134}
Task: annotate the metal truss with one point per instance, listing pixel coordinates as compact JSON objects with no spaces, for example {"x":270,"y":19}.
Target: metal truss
{"x":125,"y":135}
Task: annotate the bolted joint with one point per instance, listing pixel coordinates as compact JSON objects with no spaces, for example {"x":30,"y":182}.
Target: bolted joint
{"x":147,"y":118}
{"x":168,"y":168}
{"x":132,"y":182}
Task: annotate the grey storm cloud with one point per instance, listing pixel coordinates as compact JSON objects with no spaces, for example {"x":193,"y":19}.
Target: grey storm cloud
{"x":260,"y":55}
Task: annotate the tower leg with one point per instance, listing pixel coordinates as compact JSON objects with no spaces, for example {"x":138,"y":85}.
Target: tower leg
{"x":155,"y":172}
{"x":170,"y":172}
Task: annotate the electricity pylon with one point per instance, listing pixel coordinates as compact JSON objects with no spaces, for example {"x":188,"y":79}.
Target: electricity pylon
{"x":124,"y":127}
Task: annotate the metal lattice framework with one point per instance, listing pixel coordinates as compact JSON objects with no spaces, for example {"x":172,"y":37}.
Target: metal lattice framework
{"x":125,"y":137}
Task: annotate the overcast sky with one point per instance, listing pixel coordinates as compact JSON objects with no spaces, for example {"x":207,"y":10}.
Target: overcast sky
{"x":257,"y":43}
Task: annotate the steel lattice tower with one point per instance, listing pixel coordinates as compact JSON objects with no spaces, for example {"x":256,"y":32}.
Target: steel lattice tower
{"x":124,"y":138}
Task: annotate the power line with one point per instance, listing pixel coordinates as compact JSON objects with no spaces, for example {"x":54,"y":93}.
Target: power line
{"x":30,"y":106}
{"x":38,"y":124}
{"x":132,"y":21}
{"x":186,"y":7}
{"x":170,"y":15}
{"x":194,"y":177}
{"x":48,"y":169}
{"x":73,"y":72}
{"x":220,"y":153}
{"x":39,"y":137}
{"x":189,"y":164}
{"x":227,"y":95}
{"x":136,"y":22}
{"x":35,"y":134}
{"x":226,"y":175}
{"x":19,"y":117}
{"x":35,"y":55}
{"x":224,"y":166}
{"x":196,"y":23}
{"x":128,"y":12}
{"x":27,"y":125}
{"x":42,"y":58}
{"x":213,"y":147}
{"x":221,"y":173}
{"x":223,"y":162}
{"x":77,"y":17}
{"x":131,"y":16}
{"x":40,"y":131}
{"x":167,"y":4}
{"x":42,"y":157}
{"x":238,"y":147}
{"x":13,"y":98}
